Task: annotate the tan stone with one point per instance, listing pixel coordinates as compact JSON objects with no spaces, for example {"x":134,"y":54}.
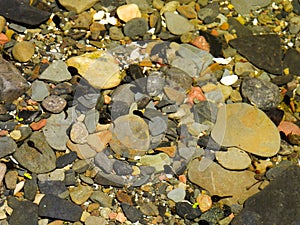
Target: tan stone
{"x":219,"y":181}
{"x":187,"y":11}
{"x":23,"y":51}
{"x":128,"y":12}
{"x":248,"y":128}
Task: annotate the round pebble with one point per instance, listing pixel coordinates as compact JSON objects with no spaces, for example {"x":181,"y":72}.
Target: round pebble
{"x":54,"y":103}
{"x":23,"y":51}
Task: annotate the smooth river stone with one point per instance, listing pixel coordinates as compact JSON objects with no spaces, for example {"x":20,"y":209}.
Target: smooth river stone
{"x":99,"y":68}
{"x":248,"y":128}
{"x":233,"y":159}
{"x":130,"y":136}
{"x":222,"y":182}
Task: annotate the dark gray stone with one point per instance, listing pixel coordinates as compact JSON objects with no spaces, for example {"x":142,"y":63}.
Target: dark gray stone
{"x":12,"y":84}
{"x":53,"y":187}
{"x":24,"y":212}
{"x":186,"y":210}
{"x":278,"y":203}
{"x":20,"y":11}
{"x":103,"y":162}
{"x":261,"y":93}
{"x":136,"y":27}
{"x":263,"y":51}
{"x":70,"y":178}
{"x":109,"y":179}
{"x":54,"y":207}
{"x":7,"y":146}
{"x":36,"y":155}
{"x":132,"y":213}
{"x":30,"y":188}
{"x":291,"y":60}
{"x":122,"y":168}
{"x":66,"y":159}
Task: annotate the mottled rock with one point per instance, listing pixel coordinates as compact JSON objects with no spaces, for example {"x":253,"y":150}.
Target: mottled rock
{"x":56,"y":72}
{"x":102,"y":198}
{"x":219,"y":181}
{"x":79,"y":133}
{"x":130,"y":136}
{"x":54,"y":207}
{"x":291,"y":59}
{"x":99,"y":68}
{"x":157,"y":161}
{"x":177,"y":194}
{"x":132,"y":213}
{"x":80,"y":194}
{"x":12,"y":84}
{"x":247,"y":128}
{"x":54,"y":103}
{"x":35,"y":154}
{"x":261,"y":93}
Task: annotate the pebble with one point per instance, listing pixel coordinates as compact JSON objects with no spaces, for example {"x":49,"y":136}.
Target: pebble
{"x":14,"y":85}
{"x":149,"y":209}
{"x":279,"y":198}
{"x":121,"y":168}
{"x":92,"y":220}
{"x":19,"y":207}
{"x":83,"y":21}
{"x":116,"y":33}
{"x":143,"y":5}
{"x":56,"y":72}
{"x":2,"y":171}
{"x":267,"y":54}
{"x":53,"y":187}
{"x":136,"y":27}
{"x":84,"y":151}
{"x":187,"y":11}
{"x":102,"y":198}
{"x":209,"y":12}
{"x":186,"y":210}
{"x":80,"y":194}
{"x":30,"y":188}
{"x":98,"y":141}
{"x":290,"y":60}
{"x":88,"y":66}
{"x":177,"y":24}
{"x":130,"y":136}
{"x":35,"y":154}
{"x":132,"y":213}
{"x":11,"y":179}
{"x":128,"y":12}
{"x":7,"y":146}
{"x":233,"y":159}
{"x":2,"y":23}
{"x":54,"y":103}
{"x":157,"y":161}
{"x":23,"y":51}
{"x":219,"y":181}
{"x":79,"y":133}
{"x":263,"y":94}
{"x":176,"y":195}
{"x":205,"y":202}
{"x":228,"y":130}
{"x":39,"y":90}
{"x":55,"y":130}
{"x":54,"y":207}
{"x":77,"y":6}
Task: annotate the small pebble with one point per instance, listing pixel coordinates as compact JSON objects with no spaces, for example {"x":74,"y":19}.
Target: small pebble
{"x":54,"y":104}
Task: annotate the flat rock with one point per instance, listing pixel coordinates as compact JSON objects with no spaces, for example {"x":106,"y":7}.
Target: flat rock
{"x":80,"y":194}
{"x":53,"y":187}
{"x":79,"y":133}
{"x":21,"y":12}
{"x":280,"y":198}
{"x":177,"y":194}
{"x":12,"y":84}
{"x":219,"y":181}
{"x":39,"y":90}
{"x":233,"y":159}
{"x":102,"y":198}
{"x":245,"y":7}
{"x":77,"y":6}
{"x":157,"y":161}
{"x":18,"y":217}
{"x":132,"y":213}
{"x":130,"y":136}
{"x":261,"y":93}
{"x":2,"y":171}
{"x":55,"y":130}
{"x":84,"y":151}
{"x":248,"y":128}
{"x":264,"y":51}
{"x":56,"y":72}
{"x":54,"y":103}
{"x":177,"y":24}
{"x":99,"y":68}
{"x":7,"y":146}
{"x":35,"y":154}
{"x":54,"y":207}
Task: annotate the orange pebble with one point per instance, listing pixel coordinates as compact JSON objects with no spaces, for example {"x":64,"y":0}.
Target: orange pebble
{"x":224,"y":26}
{"x":38,"y":125}
{"x":3,"y":133}
{"x":195,"y":93}
{"x":3,"y":39}
{"x":200,"y":42}
{"x":182,"y":178}
{"x":214,"y":32}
